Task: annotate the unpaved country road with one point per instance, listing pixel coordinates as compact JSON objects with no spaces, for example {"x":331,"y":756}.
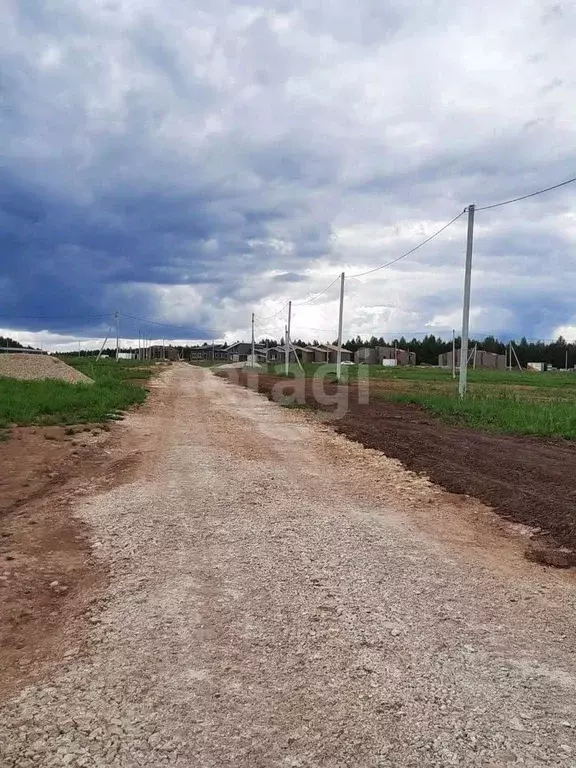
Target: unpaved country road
{"x":281,"y":597}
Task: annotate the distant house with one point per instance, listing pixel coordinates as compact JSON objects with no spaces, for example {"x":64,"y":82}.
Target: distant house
{"x":332,"y":353}
{"x":216,"y":352}
{"x":481,"y":359}
{"x":240,"y":351}
{"x":318,"y":354}
{"x":163,"y":352}
{"x":274,"y":355}
{"x":375,"y":356}
{"x":305,"y":354}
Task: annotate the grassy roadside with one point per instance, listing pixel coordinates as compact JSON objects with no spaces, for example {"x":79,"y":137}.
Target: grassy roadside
{"x":378,"y":373}
{"x":51,"y":402}
{"x":537,"y":404}
{"x":499,"y":412}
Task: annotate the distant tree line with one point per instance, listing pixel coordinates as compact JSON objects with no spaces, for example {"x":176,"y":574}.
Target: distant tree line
{"x":429,"y":347}
{"x":6,"y":341}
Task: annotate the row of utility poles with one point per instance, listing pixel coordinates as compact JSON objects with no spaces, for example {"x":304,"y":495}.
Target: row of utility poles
{"x":463,"y":380}
{"x":464,"y":356}
{"x":144,"y":343}
{"x":288,"y":340}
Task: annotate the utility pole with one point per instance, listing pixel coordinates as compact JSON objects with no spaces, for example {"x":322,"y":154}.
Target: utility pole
{"x":466,"y":308}
{"x":453,"y":353}
{"x":253,"y":343}
{"x":287,"y":341}
{"x":117,"y":336}
{"x":340,"y":320}
{"x":139,"y":347}
{"x":103,"y":344}
{"x":566,"y":364}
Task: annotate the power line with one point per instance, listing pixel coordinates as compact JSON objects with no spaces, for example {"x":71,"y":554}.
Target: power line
{"x":317,"y":296}
{"x":264,"y":319}
{"x":403,"y":256}
{"x":525,"y":197}
{"x":167,"y":325}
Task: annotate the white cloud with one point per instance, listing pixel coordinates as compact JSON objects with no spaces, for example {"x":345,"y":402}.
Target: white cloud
{"x":198,"y":151}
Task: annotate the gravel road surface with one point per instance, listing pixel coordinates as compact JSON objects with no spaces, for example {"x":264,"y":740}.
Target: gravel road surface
{"x":281,"y":597}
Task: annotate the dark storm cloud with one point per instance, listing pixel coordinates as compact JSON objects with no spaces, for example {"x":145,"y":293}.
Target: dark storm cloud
{"x":186,"y":161}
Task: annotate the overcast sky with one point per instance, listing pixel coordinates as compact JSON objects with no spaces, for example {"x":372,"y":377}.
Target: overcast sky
{"x":192,"y":161}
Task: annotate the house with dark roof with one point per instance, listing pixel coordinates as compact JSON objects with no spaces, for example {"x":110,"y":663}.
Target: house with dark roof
{"x":376,"y":355}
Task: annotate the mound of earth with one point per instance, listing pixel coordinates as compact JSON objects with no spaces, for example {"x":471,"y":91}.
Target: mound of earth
{"x":27,"y":366}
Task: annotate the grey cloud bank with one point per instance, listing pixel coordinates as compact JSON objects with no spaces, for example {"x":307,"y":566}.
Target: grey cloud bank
{"x":188,"y":162}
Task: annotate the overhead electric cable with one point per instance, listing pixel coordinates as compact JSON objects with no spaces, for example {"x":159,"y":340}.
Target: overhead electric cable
{"x":264,"y":319}
{"x":317,"y":296}
{"x":166,"y":325}
{"x":403,"y":256}
{"x":525,"y":197}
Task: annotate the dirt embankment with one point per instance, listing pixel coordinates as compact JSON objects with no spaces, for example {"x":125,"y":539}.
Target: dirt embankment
{"x":526,"y":480}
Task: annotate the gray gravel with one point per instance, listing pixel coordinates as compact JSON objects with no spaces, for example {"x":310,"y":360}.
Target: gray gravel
{"x":20,"y":365}
{"x":281,"y":597}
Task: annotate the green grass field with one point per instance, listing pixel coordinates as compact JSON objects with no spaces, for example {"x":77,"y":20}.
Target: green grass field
{"x":529,"y":403}
{"x":50,"y":402}
{"x":554,"y":380}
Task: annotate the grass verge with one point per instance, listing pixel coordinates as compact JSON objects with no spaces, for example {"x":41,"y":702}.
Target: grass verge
{"x":534,"y":404}
{"x":499,"y":412}
{"x":51,"y":402}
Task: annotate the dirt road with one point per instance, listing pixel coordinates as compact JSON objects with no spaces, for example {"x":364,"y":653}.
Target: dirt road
{"x":280,"y":596}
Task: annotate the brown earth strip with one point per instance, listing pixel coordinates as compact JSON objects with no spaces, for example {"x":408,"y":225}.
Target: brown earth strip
{"x":48,"y":576}
{"x":525,"y":480}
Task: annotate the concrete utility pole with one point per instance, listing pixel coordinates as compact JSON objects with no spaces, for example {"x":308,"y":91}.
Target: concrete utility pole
{"x":462,"y":386}
{"x":103,"y":344}
{"x":117,"y":336}
{"x":340,"y":320}
{"x":453,"y":354}
{"x":253,"y":343}
{"x":287,"y":341}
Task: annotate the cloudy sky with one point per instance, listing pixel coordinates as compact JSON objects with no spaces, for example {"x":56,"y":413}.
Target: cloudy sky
{"x":191,"y":161}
